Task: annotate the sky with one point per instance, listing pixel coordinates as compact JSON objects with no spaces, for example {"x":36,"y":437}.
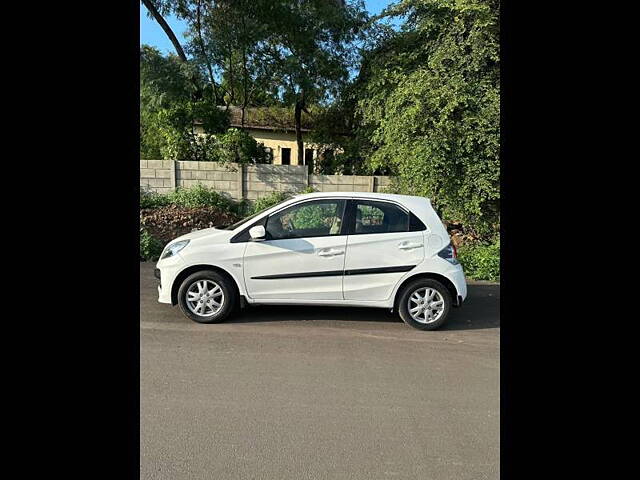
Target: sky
{"x":152,"y":34}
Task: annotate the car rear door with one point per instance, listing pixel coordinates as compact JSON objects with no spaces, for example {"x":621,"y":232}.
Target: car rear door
{"x":384,"y":243}
{"x":303,"y":254}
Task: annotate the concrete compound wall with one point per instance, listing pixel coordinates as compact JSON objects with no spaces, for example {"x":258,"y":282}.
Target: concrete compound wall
{"x":249,"y":182}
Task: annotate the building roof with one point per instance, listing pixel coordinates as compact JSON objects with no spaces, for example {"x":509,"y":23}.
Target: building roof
{"x":267,"y":118}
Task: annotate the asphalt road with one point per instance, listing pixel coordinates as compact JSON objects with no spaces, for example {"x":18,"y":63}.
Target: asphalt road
{"x":319,"y":393}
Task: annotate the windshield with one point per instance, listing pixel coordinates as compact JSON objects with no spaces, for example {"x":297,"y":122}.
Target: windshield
{"x":246,"y":219}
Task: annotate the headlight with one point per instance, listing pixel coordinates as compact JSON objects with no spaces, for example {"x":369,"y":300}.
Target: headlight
{"x":173,"y":248}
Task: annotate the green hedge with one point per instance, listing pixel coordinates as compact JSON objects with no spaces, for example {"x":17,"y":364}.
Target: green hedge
{"x":193,"y":197}
{"x":481,"y":261}
{"x":150,"y":247}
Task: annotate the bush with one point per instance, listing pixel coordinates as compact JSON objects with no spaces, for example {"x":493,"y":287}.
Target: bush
{"x":272,"y":199}
{"x":150,"y":199}
{"x":240,"y":147}
{"x":150,"y":247}
{"x":268,"y":201}
{"x":200,"y":196}
{"x":481,"y":261}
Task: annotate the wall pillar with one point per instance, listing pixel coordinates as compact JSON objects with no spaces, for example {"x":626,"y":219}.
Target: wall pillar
{"x":172,"y":174}
{"x":306,"y":176}
{"x":242,"y":174}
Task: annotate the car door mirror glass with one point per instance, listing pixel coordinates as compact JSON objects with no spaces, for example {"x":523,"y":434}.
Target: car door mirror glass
{"x":257,"y":233}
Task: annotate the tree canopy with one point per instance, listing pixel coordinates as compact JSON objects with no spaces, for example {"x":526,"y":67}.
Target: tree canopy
{"x":429,"y":96}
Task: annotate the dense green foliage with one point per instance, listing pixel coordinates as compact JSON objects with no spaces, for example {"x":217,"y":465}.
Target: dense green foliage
{"x":192,"y":197}
{"x":150,"y":248}
{"x":163,"y":83}
{"x":178,"y":126}
{"x":151,"y":199}
{"x":272,"y":199}
{"x":174,"y":126}
{"x":199,"y":196}
{"x":481,"y":261}
{"x":240,"y":147}
{"x":268,"y":201}
{"x":429,"y":95}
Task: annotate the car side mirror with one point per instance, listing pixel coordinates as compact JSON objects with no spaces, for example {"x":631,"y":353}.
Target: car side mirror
{"x":257,"y":233}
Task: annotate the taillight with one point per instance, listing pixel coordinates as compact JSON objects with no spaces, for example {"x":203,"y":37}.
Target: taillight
{"x":450,"y":254}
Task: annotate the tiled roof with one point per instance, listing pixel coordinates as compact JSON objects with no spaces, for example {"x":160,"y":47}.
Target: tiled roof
{"x":268,"y":118}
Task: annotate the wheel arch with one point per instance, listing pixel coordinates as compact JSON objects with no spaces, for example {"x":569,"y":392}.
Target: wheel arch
{"x":431,"y":275}
{"x":197,"y":268}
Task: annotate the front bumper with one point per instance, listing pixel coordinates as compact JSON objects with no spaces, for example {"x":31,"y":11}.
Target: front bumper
{"x":166,"y":271}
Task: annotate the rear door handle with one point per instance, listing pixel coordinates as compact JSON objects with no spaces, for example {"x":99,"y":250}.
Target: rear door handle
{"x":409,"y":245}
{"x":330,"y":252}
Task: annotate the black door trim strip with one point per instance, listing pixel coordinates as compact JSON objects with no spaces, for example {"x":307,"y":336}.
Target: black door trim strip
{"x":368,"y":271}
{"x":328,"y":273}
{"x":335,"y":273}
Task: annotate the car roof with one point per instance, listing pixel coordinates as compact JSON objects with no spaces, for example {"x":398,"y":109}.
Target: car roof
{"x":373,"y":195}
{"x":411,"y":202}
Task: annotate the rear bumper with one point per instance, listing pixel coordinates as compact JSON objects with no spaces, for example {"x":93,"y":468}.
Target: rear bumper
{"x":457,"y":278}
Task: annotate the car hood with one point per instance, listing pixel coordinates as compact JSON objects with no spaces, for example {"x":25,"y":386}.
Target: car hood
{"x":212,"y":234}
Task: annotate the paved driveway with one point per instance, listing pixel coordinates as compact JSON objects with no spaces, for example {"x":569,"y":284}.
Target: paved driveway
{"x":319,"y":393}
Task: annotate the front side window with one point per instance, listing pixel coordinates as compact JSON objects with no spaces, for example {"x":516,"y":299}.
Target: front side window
{"x":311,"y":219}
{"x":380,"y":217}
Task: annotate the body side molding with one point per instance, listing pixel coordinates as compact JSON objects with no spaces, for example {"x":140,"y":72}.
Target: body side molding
{"x":333,"y":273}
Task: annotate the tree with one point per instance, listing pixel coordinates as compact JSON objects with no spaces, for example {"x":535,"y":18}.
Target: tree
{"x":430,"y":98}
{"x":168,"y":112}
{"x":223,"y":40}
{"x":295,"y":53}
{"x":164,"y":81}
{"x":310,"y":47}
{"x":342,"y":140}
{"x":156,"y":9}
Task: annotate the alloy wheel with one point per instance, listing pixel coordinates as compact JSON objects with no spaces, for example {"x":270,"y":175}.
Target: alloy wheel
{"x":204,"y":298}
{"x":425,"y":305}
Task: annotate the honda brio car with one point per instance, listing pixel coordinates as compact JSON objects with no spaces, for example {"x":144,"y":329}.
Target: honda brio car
{"x":339,"y":249}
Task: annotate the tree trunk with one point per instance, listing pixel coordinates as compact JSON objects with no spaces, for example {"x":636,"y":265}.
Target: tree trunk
{"x":298,"y":117}
{"x":203,"y":52}
{"x":176,"y":44}
{"x":167,"y":29}
{"x":301,"y":106}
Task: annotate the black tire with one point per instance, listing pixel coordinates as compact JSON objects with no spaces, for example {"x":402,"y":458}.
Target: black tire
{"x":229,"y":299}
{"x":408,"y":290}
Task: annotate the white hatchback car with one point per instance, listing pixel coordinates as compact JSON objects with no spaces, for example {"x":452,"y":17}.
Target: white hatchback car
{"x":339,"y":249}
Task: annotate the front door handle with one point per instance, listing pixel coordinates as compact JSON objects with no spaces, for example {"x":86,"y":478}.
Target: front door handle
{"x":409,"y":245}
{"x":330,"y":252}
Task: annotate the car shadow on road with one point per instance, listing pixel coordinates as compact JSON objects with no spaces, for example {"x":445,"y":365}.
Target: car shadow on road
{"x":481,"y":310}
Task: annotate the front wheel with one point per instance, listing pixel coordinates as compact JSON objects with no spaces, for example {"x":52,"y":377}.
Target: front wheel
{"x":206,"y":297}
{"x":425,"y":304}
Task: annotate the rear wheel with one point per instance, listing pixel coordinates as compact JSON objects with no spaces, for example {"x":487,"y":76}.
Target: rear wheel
{"x":206,"y":297}
{"x":425,"y":304}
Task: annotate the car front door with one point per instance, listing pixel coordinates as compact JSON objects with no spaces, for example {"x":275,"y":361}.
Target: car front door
{"x":302,"y":256}
{"x":384,"y":243}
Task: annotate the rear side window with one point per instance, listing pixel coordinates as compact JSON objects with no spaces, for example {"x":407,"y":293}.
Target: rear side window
{"x":379,"y":217}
